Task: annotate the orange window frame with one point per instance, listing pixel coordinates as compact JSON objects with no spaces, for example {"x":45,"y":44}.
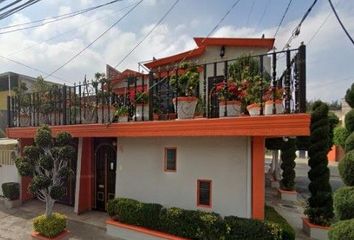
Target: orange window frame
{"x":210,"y":193}
{"x":165,"y":159}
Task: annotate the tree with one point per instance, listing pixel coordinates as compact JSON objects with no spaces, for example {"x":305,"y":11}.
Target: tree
{"x":47,"y":162}
{"x":333,"y":122}
{"x":349,"y":96}
{"x":288,"y":156}
{"x":320,"y":203}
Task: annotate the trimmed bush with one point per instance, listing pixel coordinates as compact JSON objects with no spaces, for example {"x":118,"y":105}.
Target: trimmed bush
{"x":320,"y":204}
{"x":349,"y":121}
{"x":342,"y":230}
{"x":349,"y":96}
{"x":349,"y":143}
{"x":346,"y":168}
{"x":272,"y":216}
{"x":344,"y":203}
{"x":51,"y":226}
{"x":11,"y":190}
{"x":340,"y":135}
{"x":124,"y":210}
{"x":288,"y":164}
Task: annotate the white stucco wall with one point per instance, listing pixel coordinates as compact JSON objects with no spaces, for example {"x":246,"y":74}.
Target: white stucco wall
{"x":8,"y":173}
{"x":225,"y":161}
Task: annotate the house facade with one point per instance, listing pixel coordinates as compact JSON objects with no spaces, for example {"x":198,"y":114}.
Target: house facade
{"x":211,"y":162}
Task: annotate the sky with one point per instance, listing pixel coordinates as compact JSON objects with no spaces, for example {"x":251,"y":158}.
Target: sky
{"x":330,"y":54}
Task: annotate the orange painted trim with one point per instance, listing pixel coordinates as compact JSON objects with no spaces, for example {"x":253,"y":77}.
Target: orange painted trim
{"x":267,"y":43}
{"x":269,"y":126}
{"x":258,"y":182}
{"x":210,"y":205}
{"x":37,"y":235}
{"x":143,"y":230}
{"x":311,"y":225}
{"x":175,"y":58}
{"x":165,"y":160}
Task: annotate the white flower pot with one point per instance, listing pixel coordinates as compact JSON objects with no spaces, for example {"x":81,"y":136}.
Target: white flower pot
{"x":185,"y":107}
{"x":233,"y":108}
{"x":123,"y":118}
{"x":268,"y":108}
{"x":254,"y":109}
{"x":315,"y":232}
{"x":139,"y":112}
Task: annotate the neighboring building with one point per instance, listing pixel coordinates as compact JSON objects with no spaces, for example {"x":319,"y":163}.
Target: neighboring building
{"x":213,"y":163}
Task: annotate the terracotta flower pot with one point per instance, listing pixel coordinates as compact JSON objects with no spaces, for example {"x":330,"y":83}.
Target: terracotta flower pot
{"x":185,"y":107}
{"x":254,"y":109}
{"x":268,"y":107}
{"x":233,"y":108}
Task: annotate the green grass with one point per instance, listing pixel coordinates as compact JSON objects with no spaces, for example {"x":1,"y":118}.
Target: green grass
{"x":273,"y":216}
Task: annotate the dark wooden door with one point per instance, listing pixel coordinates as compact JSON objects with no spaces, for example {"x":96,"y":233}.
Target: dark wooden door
{"x":105,"y":159}
{"x":213,"y":98}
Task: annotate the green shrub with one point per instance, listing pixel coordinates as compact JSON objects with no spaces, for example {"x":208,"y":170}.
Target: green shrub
{"x":11,"y":190}
{"x":349,"y":121}
{"x":149,"y":215}
{"x":342,"y":230}
{"x":349,"y":96}
{"x":346,"y":168}
{"x":340,"y":135}
{"x":349,"y":143}
{"x":288,"y":164}
{"x":51,"y":226}
{"x":344,"y":203}
{"x":124,"y":210}
{"x":272,"y":216}
{"x":274,"y":143}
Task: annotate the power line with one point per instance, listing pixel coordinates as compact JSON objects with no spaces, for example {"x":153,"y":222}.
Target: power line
{"x":322,"y":24}
{"x":148,"y":34}
{"x":264,"y":11}
{"x":340,"y":22}
{"x":282,"y":18}
{"x":43,"y":22}
{"x":101,"y":35}
{"x":18,"y":8}
{"x":250,"y":12}
{"x":296,"y":31}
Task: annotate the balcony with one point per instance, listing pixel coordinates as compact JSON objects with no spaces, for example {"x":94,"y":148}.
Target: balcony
{"x":149,"y":104}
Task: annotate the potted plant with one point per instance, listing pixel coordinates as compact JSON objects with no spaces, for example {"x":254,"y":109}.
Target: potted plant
{"x":186,"y":86}
{"x":122,"y":112}
{"x":139,"y":97}
{"x":11,"y":191}
{"x":230,"y":97}
{"x":273,"y":96}
{"x":105,"y":110}
{"x":47,"y":163}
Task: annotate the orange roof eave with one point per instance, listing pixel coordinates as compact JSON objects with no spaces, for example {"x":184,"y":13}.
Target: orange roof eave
{"x":267,"y":43}
{"x":175,"y":58}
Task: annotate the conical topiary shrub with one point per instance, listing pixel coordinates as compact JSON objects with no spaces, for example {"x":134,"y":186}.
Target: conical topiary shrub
{"x":320,"y":204}
{"x":288,"y":156}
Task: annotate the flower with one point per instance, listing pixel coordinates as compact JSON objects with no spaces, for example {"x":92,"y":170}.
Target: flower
{"x":138,"y":95}
{"x":229,"y":91}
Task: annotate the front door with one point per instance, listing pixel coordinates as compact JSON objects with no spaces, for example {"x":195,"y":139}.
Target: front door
{"x":105,"y":161}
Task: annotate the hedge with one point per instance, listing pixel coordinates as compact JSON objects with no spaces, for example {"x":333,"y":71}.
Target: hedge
{"x":273,"y":216}
{"x":11,"y":190}
{"x":346,"y":168}
{"x":342,"y":230}
{"x":340,"y":134}
{"x":344,"y":203}
{"x":349,"y":121}
{"x":51,"y":226}
{"x":349,"y":143}
{"x":197,"y":224}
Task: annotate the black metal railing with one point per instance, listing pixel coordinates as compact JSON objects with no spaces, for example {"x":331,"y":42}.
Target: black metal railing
{"x":154,"y":96}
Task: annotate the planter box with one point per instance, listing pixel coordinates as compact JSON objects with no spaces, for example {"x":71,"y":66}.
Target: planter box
{"x":288,"y":195}
{"x":12,"y":203}
{"x":268,"y":107}
{"x":130,"y":232}
{"x":254,"y":109}
{"x":233,"y":108}
{"x":185,"y":107}
{"x":314,"y":231}
{"x":62,"y":236}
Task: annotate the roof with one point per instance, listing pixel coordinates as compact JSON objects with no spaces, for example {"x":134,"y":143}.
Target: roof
{"x":202,"y":43}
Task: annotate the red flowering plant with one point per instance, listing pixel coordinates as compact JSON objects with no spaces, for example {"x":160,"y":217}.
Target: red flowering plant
{"x":138,"y":96}
{"x":269,"y":95}
{"x":229,"y":91}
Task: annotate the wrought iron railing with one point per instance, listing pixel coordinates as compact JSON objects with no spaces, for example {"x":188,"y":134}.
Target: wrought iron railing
{"x":152,"y":96}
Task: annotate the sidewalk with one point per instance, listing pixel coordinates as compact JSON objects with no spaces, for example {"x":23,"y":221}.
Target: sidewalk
{"x":16,"y":224}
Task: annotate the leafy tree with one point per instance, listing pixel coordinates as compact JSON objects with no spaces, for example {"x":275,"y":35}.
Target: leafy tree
{"x":340,"y":134}
{"x":333,"y":122}
{"x":288,"y":156}
{"x":47,"y":162}
{"x":320,"y":204}
{"x":349,"y":96}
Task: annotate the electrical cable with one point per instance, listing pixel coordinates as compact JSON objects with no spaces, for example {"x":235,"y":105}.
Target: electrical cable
{"x":264,"y":12}
{"x":90,"y":44}
{"x":148,"y":34}
{"x":282,"y":18}
{"x":340,"y":22}
{"x":18,"y":8}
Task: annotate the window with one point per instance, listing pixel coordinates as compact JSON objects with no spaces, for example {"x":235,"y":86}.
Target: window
{"x":170,"y":159}
{"x":204,"y":193}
